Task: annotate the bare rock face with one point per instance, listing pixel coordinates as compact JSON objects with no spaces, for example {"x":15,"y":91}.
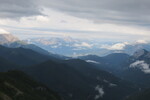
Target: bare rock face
{"x":7,"y":38}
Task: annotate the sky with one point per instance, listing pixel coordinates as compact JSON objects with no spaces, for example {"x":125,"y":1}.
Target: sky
{"x":113,"y":20}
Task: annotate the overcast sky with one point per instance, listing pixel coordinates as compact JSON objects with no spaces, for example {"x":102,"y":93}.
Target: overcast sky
{"x":116,"y":20}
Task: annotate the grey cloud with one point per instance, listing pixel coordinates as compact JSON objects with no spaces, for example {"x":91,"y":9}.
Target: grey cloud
{"x":134,"y":12}
{"x":18,"y":8}
{"x":111,"y":11}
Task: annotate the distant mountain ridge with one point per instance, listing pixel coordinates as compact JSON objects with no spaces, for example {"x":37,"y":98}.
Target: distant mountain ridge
{"x":11,"y":41}
{"x":7,"y":38}
{"x":22,"y":56}
{"x":70,"y":46}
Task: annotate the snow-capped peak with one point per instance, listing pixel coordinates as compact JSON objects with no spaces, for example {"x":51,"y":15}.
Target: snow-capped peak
{"x":7,"y":38}
{"x":2,"y":31}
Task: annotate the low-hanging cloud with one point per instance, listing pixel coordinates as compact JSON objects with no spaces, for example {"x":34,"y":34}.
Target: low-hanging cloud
{"x":117,"y":46}
{"x":83,"y":44}
{"x":122,"y":45}
{"x":100,"y":92}
{"x":141,"y":64}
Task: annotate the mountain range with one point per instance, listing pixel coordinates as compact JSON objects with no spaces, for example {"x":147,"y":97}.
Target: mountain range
{"x":117,"y":76}
{"x":14,"y":42}
{"x":68,"y":77}
{"x":70,"y":46}
{"x":21,"y":56}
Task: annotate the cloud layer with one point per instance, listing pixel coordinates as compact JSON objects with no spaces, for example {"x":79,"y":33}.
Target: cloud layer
{"x":18,"y":8}
{"x":102,"y":19}
{"x":115,"y":11}
{"x":117,"y":46}
{"x":99,"y":11}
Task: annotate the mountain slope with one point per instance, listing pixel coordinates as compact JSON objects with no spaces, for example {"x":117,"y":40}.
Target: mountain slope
{"x":138,"y":68}
{"x":11,"y":41}
{"x":113,"y":63}
{"x":140,"y":54}
{"x":22,"y":44}
{"x":22,"y":56}
{"x":15,"y":85}
{"x":79,"y":80}
{"x":73,"y":79}
{"x":135,"y":68}
{"x":6,"y":65}
{"x":25,"y":45}
{"x":143,"y":95}
{"x":114,"y":58}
